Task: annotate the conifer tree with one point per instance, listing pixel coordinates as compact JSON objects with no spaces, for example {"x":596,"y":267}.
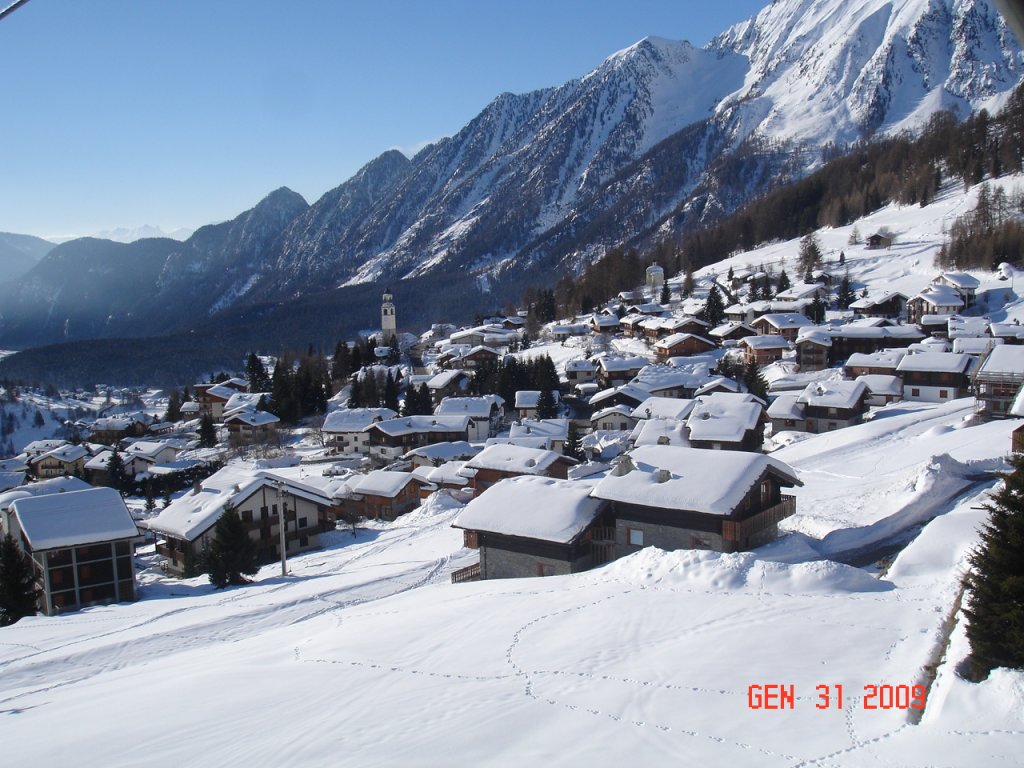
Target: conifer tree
{"x":173,"y":413}
{"x":233,"y":555}
{"x":816,"y":310}
{"x":573,"y":443}
{"x":546,"y":407}
{"x":687,"y":289}
{"x":390,"y":393}
{"x":666,"y":293}
{"x":117,"y":475}
{"x":714,"y":310}
{"x":995,"y":581}
{"x":810,"y":254}
{"x":846,"y":296}
{"x":207,"y":432}
{"x":355,"y":394}
{"x":256,"y":374}
{"x":784,"y":283}
{"x":756,"y":383}
{"x":18,"y":591}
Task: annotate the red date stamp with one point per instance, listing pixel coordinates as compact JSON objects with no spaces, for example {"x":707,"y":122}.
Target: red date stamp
{"x":783,"y":696}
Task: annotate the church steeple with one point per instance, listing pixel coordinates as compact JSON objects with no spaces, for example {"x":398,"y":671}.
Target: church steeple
{"x":388,"y":321}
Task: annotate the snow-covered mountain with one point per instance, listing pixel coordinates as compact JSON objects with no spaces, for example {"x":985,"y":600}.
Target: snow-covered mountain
{"x":659,"y":138}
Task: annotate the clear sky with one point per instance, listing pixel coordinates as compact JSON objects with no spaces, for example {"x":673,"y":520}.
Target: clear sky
{"x":118,"y":113}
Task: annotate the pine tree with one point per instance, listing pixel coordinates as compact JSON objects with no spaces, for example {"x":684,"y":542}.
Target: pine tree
{"x":233,"y":555}
{"x":687,"y":289}
{"x":756,"y":383}
{"x":207,"y":431}
{"x":714,"y":310}
{"x":995,"y":581}
{"x":546,"y":406}
{"x":18,"y":591}
{"x":256,"y":374}
{"x":573,"y":443}
{"x":816,"y":310}
{"x":355,"y":394}
{"x":390,"y":392}
{"x":846,"y":295}
{"x":666,"y":293}
{"x":117,"y":475}
{"x":173,"y":413}
{"x":783,"y":281}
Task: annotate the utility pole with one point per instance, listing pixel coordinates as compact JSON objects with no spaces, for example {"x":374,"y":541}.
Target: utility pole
{"x":282,"y":524}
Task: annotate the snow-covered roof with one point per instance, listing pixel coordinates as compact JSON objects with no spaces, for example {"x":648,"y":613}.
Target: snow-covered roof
{"x":221,"y":392}
{"x":972,"y":345}
{"x":69,"y":519}
{"x":660,"y":432}
{"x":581,"y":364}
{"x":445,"y":451}
{"x":960,"y":279}
{"x":718,"y":419}
{"x":9,"y":480}
{"x":1006,"y":330}
{"x":769,"y":341}
{"x":515,"y":458}
{"x":446,"y":474}
{"x":43,"y":446}
{"x":382,"y":482}
{"x":784,"y":321}
{"x":533,"y":508}
{"x":935,"y":361}
{"x":621,"y":364}
{"x":866,"y":302}
{"x":664,"y":408}
{"x":557,"y":429}
{"x":814,"y":335}
{"x":678,"y":338}
{"x":355,"y":419}
{"x":613,"y":410}
{"x":408,"y":425}
{"x":886,"y":358}
{"x":631,"y":391}
{"x":940,"y":295}
{"x":786,"y":406}
{"x":101,"y":461}
{"x":188,"y":516}
{"x":1004,"y":359}
{"x":882,"y":384}
{"x":253,"y":418}
{"x":66,"y":453}
{"x":713,"y":482}
{"x":43,"y":488}
{"x":474,"y":407}
{"x":728,"y":328}
{"x":834,"y":394}
{"x":445,"y":378}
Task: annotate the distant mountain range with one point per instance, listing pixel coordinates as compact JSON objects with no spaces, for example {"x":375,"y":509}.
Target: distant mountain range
{"x":19,"y":253}
{"x":661,"y":138}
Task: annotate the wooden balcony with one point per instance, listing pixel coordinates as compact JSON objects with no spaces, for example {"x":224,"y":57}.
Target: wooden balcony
{"x":469,"y":573}
{"x":739,"y":531}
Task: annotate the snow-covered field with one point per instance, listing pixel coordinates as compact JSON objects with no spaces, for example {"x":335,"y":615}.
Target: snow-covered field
{"x":366,"y":654}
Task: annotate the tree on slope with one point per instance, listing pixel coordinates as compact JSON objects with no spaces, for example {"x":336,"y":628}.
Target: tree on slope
{"x":17,"y":583}
{"x":233,"y":555}
{"x":207,"y":431}
{"x":714,"y":310}
{"x":995,"y":581}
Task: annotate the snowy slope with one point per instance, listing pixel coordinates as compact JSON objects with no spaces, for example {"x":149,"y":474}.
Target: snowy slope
{"x":365,"y":655}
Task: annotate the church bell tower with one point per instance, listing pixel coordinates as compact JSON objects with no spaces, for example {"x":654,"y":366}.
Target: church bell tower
{"x":388,"y":322}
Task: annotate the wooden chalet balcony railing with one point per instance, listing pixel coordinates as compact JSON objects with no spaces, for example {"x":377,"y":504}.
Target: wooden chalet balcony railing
{"x":469,"y":573}
{"x":739,"y":531}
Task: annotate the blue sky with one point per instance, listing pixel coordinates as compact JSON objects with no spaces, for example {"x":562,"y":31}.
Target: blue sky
{"x":130,"y":112}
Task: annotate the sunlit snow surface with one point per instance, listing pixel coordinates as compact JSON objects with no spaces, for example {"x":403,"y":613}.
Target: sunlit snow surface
{"x":367,"y":655}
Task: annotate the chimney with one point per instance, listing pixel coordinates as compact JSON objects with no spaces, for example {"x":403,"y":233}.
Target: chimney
{"x":662,"y":476}
{"x":623,"y":467}
{"x":196,"y":487}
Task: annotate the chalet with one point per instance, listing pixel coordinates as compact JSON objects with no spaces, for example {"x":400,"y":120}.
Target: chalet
{"x":66,"y":460}
{"x":882,"y":389}
{"x":664,"y":408}
{"x":888,"y":304}
{"x":394,"y":437}
{"x":998,"y":380}
{"x":785,"y":325}
{"x":485,"y":413}
{"x":934,"y":376}
{"x":537,"y":526}
{"x":976,"y":347}
{"x":604,"y":323}
{"x":659,"y":432}
{"x":81,"y":544}
{"x":111,"y":429}
{"x":345,"y":430}
{"x":935,"y":325}
{"x":37,"y":448}
{"x":563,"y":331}
{"x":614,"y":418}
{"x":732,"y":331}
{"x":550,"y":434}
{"x":382,"y":494}
{"x":527,"y":401}
{"x":245,"y":427}
{"x":803,"y":291}
{"x":731,"y":422}
{"x":661,"y":327}
{"x":490,"y":335}
{"x":763,"y":350}
{"x":447,"y":384}
{"x":212,"y":398}
{"x":1010,"y":333}
{"x":650,"y":308}
{"x":812,"y":349}
{"x":830,"y":405}
{"x":960,"y":327}
{"x":883,"y":362}
{"x":613,"y":371}
{"x":627,"y":394}
{"x":445,"y":477}
{"x":878,"y":241}
{"x":934,"y":300}
{"x":681,"y":377}
{"x":479,"y":357}
{"x":580,"y":372}
{"x":787,"y":414}
{"x":436,"y":454}
{"x":631,"y":325}
{"x":683,"y":344}
{"x":964,"y":284}
{"x":685,"y":498}
{"x":185,"y":527}
{"x":497,"y":462}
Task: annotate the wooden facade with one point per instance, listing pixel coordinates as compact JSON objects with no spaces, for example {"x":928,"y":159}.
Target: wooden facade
{"x":71,"y":578}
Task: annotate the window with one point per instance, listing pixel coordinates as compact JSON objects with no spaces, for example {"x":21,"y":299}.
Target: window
{"x":545,"y":569}
{"x":263,"y":513}
{"x":699,"y":542}
{"x":302,"y":522}
{"x":246,"y":516}
{"x":943,"y":394}
{"x":915,"y":392}
{"x":635,"y":537}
